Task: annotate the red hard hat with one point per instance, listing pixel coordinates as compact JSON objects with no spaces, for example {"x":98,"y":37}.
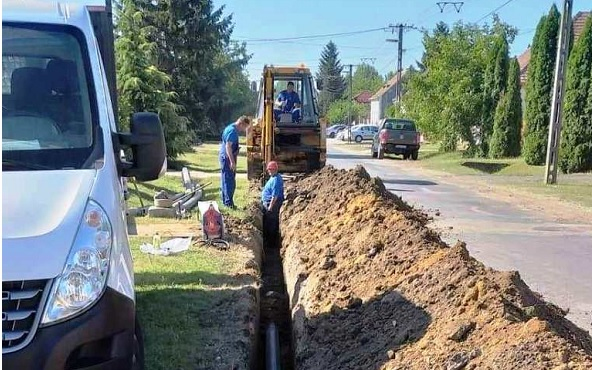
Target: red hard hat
{"x":272,"y":165}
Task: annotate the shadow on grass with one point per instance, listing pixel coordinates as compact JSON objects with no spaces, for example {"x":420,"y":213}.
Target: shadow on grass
{"x":211,"y":192}
{"x":157,"y":188}
{"x":179,"y":164}
{"x":194,"y":277}
{"x":359,"y":337}
{"x":428,"y":155}
{"x":485,"y":167}
{"x":192,"y":328}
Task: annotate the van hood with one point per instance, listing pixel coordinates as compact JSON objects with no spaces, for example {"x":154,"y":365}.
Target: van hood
{"x":41,"y":212}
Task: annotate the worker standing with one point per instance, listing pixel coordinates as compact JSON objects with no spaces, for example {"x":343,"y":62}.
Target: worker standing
{"x":228,"y":158}
{"x":272,"y":199}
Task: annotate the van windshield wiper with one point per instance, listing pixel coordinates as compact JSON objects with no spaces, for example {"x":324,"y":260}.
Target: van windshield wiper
{"x":14,"y":164}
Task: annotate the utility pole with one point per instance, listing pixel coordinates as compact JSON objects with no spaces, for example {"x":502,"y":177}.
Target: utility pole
{"x":351,"y":98}
{"x":400,"y":64}
{"x":558,"y":94}
{"x":401,"y":27}
{"x":349,"y":106}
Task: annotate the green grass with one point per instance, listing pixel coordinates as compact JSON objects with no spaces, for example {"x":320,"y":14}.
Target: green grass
{"x":456,"y":164}
{"x":146,"y":190}
{"x":192,"y":306}
{"x":578,"y":193}
{"x":204,"y":158}
{"x":185,"y":304}
{"x":512,"y":173}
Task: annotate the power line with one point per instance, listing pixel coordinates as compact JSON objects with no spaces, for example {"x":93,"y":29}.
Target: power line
{"x":421,"y":14}
{"x":493,"y":11}
{"x":339,"y":46}
{"x":526,"y":31}
{"x":387,"y":65}
{"x":313,"y":36}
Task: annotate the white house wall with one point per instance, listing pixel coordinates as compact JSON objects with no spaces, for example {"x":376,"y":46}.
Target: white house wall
{"x":375,"y":111}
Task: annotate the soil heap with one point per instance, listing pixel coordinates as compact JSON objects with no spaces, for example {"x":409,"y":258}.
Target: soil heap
{"x":372,"y":287}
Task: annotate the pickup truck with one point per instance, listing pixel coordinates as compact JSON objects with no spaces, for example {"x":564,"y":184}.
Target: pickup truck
{"x":396,"y":136}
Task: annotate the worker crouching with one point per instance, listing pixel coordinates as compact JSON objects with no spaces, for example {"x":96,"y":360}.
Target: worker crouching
{"x":272,"y":199}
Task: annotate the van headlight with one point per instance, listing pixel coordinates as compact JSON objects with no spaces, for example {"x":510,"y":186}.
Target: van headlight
{"x":83,"y":280}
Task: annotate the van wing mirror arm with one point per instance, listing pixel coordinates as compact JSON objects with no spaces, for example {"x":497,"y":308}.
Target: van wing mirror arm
{"x":128,"y":139}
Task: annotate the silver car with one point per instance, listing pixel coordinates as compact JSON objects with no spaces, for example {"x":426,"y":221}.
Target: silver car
{"x":360,"y":133}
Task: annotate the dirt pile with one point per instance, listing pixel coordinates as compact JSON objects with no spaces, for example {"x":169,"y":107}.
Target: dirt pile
{"x":371,"y":286}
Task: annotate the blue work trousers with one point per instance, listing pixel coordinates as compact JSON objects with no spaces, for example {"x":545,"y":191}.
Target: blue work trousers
{"x":271,"y":225}
{"x":228,"y":182}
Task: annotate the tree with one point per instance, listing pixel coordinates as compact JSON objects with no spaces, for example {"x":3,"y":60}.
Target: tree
{"x":539,"y":87}
{"x":329,"y":73}
{"x":231,"y":95}
{"x":505,"y":141}
{"x":389,"y":76}
{"x":141,"y":85}
{"x":365,"y":78}
{"x":446,"y":99}
{"x":339,"y":111}
{"x":194,"y":48}
{"x":576,"y":138}
{"x":495,"y":79}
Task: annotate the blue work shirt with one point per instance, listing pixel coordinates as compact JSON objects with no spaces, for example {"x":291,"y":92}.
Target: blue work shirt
{"x":273,"y":188}
{"x":290,"y":98}
{"x":229,"y":135}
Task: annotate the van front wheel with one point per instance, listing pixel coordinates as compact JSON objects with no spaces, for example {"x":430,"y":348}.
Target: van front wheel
{"x":138,"y":356}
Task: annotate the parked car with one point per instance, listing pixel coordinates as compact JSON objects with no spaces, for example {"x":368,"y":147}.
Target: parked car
{"x":332,"y":131}
{"x":360,"y":133}
{"x":396,"y":136}
{"x":342,"y":135}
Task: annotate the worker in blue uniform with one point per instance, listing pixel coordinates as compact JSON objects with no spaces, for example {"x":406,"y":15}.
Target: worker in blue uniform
{"x":288,"y":101}
{"x":228,"y":156}
{"x":272,"y":198}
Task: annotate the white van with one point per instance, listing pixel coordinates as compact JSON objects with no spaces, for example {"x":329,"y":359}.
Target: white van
{"x":68,"y":298}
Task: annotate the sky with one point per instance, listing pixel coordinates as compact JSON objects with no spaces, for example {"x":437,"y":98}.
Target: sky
{"x":267,"y":19}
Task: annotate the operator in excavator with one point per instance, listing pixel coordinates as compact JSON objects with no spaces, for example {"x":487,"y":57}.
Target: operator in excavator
{"x":288,"y":101}
{"x":272,"y":198}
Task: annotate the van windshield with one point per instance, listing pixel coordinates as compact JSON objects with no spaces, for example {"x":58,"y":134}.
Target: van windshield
{"x":49,"y":119}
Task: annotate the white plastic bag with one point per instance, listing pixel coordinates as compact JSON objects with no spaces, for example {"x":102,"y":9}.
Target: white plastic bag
{"x":172,"y":246}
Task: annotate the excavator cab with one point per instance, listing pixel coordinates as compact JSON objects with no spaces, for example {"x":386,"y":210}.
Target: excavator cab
{"x":287,"y":128}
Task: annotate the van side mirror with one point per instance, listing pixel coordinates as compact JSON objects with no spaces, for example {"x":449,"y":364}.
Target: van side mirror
{"x":319,"y":84}
{"x":146,"y":140}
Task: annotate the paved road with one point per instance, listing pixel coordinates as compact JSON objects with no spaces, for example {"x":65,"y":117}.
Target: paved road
{"x":554,"y":259}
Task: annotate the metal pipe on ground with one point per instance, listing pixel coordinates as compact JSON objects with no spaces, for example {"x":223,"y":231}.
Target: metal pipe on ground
{"x":191,"y":202}
{"x":189,"y":195}
{"x":272,"y":348}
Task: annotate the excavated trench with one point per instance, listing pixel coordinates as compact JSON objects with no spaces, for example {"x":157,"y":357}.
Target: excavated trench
{"x":275,"y":343}
{"x":360,"y":282}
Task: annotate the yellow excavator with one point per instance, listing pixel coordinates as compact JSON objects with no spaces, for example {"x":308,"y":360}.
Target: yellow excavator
{"x":293,"y":135}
